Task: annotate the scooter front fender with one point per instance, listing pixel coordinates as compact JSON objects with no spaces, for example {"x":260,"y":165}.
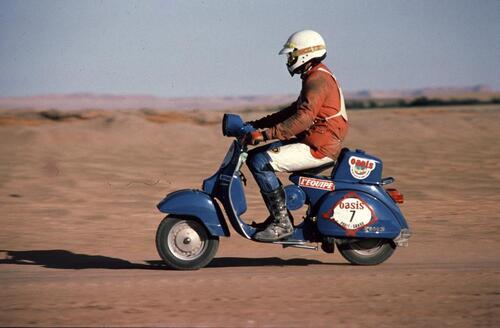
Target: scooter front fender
{"x":199,"y":205}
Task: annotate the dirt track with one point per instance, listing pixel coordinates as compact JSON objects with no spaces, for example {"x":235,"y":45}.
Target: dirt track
{"x":78,"y":218}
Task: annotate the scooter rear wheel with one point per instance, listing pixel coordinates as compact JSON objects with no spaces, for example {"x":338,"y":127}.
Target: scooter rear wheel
{"x":185,"y":244}
{"x":370,"y":251}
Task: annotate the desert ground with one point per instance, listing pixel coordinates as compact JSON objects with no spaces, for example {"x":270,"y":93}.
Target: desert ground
{"x":78,"y":195}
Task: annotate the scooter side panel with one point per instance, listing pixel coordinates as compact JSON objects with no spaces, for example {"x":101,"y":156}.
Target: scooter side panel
{"x":357,"y":213}
{"x":196,"y":203}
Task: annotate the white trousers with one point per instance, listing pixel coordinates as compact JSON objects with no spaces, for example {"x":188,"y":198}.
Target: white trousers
{"x":294,"y":157}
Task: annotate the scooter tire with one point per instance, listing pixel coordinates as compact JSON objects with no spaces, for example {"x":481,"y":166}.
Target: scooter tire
{"x":366,"y":251}
{"x":185,"y":243}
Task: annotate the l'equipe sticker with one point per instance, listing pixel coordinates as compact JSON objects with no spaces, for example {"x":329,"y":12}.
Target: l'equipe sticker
{"x":361,"y":167}
{"x":316,"y":183}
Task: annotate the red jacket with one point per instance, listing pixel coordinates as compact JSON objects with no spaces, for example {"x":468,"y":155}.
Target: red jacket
{"x":319,"y":98}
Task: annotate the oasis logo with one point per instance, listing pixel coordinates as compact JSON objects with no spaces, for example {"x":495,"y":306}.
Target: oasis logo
{"x":356,"y":204}
{"x":361,"y":167}
{"x":351,"y":213}
{"x":316,"y":183}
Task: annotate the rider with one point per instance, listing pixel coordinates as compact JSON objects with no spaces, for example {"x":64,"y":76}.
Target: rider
{"x":310,"y":130}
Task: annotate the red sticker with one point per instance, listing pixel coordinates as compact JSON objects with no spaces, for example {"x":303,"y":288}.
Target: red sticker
{"x":316,"y":183}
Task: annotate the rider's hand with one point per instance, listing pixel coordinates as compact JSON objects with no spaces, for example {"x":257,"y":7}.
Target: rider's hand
{"x":254,"y":138}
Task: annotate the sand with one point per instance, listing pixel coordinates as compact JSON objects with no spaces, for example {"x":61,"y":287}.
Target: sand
{"x":78,"y":197}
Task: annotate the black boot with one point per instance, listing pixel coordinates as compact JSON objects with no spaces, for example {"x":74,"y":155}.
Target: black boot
{"x":270,"y":219}
{"x":281,"y":226}
{"x":262,"y":225}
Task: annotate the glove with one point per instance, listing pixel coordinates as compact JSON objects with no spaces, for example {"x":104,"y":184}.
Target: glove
{"x":254,"y":138}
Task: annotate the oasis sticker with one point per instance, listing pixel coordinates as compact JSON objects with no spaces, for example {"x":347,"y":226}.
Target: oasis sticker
{"x":316,"y":183}
{"x":361,"y":167}
{"x":351,"y":213}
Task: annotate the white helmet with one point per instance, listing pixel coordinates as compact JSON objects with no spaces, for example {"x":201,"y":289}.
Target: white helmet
{"x":301,"y":47}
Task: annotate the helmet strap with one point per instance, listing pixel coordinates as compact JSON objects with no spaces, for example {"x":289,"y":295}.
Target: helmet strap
{"x":302,"y":70}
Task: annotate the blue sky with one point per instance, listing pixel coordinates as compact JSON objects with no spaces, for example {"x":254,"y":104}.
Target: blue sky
{"x":229,"y":48}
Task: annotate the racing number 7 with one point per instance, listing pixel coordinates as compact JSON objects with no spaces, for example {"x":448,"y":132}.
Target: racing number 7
{"x":352,"y":216}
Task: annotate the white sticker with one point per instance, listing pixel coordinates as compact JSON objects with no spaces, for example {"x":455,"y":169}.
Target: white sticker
{"x":352,"y":213}
{"x":361,"y":167}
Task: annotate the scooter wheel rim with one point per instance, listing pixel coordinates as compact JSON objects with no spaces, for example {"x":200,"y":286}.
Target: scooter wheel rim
{"x":367,"y":247}
{"x":187,"y":240}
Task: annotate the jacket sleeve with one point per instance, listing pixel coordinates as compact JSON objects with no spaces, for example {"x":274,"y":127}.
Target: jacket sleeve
{"x":273,"y":119}
{"x":313,"y":95}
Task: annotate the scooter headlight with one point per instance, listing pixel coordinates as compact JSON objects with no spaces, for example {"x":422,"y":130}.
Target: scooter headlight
{"x":233,"y":126}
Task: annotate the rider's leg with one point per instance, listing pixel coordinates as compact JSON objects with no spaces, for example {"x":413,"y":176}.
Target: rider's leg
{"x":258,"y":162}
{"x":263,"y":162}
{"x":294,"y":157}
{"x":273,"y":194}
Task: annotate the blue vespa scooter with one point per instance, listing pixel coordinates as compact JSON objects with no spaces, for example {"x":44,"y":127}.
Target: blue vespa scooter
{"x":349,"y":208}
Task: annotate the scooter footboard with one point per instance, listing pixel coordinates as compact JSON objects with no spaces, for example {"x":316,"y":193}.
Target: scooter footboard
{"x":354,"y":213}
{"x":197,"y":204}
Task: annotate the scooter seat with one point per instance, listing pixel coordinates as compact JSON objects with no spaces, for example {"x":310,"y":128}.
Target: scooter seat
{"x":316,"y":170}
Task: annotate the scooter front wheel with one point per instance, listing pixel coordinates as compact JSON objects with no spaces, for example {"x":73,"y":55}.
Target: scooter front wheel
{"x":370,"y":251}
{"x":185,"y":244}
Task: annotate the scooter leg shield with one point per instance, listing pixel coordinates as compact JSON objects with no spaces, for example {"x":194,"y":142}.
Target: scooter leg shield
{"x":198,"y":204}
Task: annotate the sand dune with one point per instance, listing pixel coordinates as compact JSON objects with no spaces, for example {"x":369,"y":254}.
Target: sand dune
{"x":79,"y":101}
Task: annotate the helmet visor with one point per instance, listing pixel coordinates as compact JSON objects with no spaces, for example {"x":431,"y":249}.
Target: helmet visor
{"x":286,"y":50}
